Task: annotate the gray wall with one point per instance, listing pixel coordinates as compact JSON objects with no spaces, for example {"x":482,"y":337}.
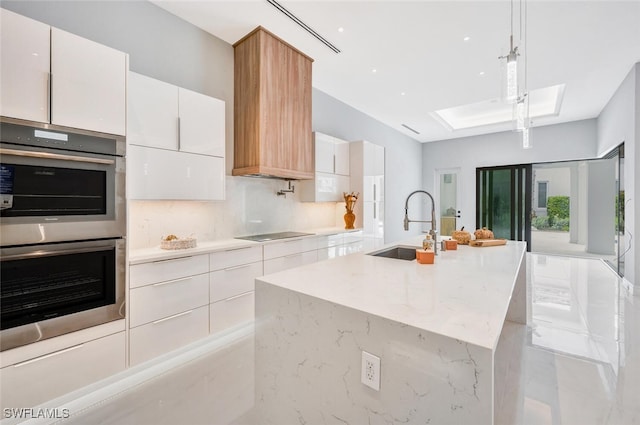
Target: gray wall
{"x":569,"y":141}
{"x":403,"y":162}
{"x":619,"y":122}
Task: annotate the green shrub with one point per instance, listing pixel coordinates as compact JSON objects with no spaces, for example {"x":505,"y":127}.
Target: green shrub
{"x":540,"y":222}
{"x":558,"y":206}
{"x":561,"y":224}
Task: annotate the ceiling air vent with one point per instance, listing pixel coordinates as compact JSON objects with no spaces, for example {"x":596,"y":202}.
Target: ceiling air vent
{"x":304,"y":26}
{"x":410,"y":129}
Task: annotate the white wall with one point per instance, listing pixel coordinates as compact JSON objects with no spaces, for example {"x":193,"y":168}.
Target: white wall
{"x":620,"y":122}
{"x":561,"y":142}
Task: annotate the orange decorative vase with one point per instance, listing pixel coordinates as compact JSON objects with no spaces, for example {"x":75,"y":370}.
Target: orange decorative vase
{"x":349,"y":219}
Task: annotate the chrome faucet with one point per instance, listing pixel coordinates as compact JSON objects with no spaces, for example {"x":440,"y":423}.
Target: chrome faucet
{"x":432,"y":232}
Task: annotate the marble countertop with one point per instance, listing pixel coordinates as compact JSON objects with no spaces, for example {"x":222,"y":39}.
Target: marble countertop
{"x":155,"y":253}
{"x":464,"y":295}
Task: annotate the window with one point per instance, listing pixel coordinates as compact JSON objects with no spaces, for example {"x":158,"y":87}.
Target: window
{"x":542,"y":194}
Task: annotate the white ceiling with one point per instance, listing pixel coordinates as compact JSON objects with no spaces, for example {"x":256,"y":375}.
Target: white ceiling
{"x":417,"y":47}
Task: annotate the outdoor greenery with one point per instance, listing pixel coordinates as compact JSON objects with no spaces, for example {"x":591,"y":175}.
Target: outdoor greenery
{"x":558,"y":206}
{"x":620,"y":212}
{"x":557,"y":217}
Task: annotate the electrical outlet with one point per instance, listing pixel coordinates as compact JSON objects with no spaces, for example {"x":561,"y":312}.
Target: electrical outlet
{"x":370,"y":370}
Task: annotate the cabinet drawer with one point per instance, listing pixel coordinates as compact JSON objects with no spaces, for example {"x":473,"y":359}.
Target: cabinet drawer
{"x":351,"y":248}
{"x":153,"y":302}
{"x":164,"y":270}
{"x":350,"y":237}
{"x":232,"y":311}
{"x":35,"y":381}
{"x":290,"y":261}
{"x":233,"y":281}
{"x":330,"y":240}
{"x":164,"y":335}
{"x":281,"y":249}
{"x":234,"y":257}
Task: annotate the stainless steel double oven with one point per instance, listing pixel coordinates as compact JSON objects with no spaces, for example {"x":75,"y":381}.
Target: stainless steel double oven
{"x":62,"y":224}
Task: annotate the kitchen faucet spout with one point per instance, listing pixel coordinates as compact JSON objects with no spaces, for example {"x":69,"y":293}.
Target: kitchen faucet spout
{"x":432,"y":232}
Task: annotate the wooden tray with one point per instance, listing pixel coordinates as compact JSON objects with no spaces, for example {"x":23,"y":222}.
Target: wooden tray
{"x":488,"y":242}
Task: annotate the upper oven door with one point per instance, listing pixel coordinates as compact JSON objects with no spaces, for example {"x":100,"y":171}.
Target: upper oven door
{"x":53,"y":194}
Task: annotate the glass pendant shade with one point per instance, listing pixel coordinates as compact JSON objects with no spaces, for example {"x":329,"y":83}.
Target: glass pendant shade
{"x":526,"y":138}
{"x":512,"y":78}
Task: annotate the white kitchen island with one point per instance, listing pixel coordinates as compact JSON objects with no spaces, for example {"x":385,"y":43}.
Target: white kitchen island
{"x":435,"y":328}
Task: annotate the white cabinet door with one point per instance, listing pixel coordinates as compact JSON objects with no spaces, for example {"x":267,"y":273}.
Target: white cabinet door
{"x":201,"y":123}
{"x":162,"y":174}
{"x":152,"y":115}
{"x":342,"y":159}
{"x":233,"y":281}
{"x":43,"y":378}
{"x":231,"y":312}
{"x":88,"y":87}
{"x":24,"y":67}
{"x":324,"y":152}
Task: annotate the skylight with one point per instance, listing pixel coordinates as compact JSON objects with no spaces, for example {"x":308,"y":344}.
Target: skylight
{"x":542,"y":102}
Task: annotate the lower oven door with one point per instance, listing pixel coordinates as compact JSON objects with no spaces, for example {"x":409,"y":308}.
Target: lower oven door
{"x":49,"y":290}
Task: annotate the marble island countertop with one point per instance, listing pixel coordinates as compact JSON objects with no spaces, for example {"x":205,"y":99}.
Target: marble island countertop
{"x":465,"y":295}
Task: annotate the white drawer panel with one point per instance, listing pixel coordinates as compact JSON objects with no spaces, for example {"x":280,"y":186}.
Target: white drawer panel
{"x":234,"y":257}
{"x":353,"y":236}
{"x":158,"y":300}
{"x":330,"y":240}
{"x":163,"y":270}
{"x":35,"y":381}
{"x":233,"y":281}
{"x":164,"y":335}
{"x":290,"y":261}
{"x":351,"y":248}
{"x":231,"y":312}
{"x":288,"y":247}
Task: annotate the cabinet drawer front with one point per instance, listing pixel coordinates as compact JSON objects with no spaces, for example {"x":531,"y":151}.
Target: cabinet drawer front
{"x":153,"y":302}
{"x":294,"y":260}
{"x":350,"y":237}
{"x":233,"y":281}
{"x":281,"y":249}
{"x":231,"y":312}
{"x":164,"y":270}
{"x":43,"y":378}
{"x":164,"y":335}
{"x":351,"y":248}
{"x":234,"y":257}
{"x":330,"y":240}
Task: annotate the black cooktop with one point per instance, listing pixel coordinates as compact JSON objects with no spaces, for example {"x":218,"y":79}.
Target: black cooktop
{"x":272,"y":236}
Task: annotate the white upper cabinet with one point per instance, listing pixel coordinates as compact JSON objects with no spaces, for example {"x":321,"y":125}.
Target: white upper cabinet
{"x":88,"y":87}
{"x":332,"y":154}
{"x":52,"y":76}
{"x":153,"y":112}
{"x":24,"y":67}
{"x":165,"y":116}
{"x":331,"y":177}
{"x":201,"y":123}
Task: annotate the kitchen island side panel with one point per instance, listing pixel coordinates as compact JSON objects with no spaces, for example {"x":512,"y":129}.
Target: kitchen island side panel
{"x":308,"y":367}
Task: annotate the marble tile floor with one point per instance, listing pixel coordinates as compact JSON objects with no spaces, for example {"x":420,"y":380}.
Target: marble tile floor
{"x":577,"y":363}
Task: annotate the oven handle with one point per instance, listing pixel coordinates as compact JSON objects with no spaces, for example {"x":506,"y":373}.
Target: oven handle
{"x":47,"y":155}
{"x":39,"y":254}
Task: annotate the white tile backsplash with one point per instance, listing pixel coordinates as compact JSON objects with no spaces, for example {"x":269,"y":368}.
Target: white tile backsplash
{"x":251,"y":207}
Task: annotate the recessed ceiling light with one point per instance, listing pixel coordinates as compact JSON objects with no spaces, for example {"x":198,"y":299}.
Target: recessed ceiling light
{"x":481,"y":73}
{"x":542,"y":102}
{"x":374,"y":70}
{"x":340,"y":29}
{"x":467,"y":38}
{"x":402,"y":94}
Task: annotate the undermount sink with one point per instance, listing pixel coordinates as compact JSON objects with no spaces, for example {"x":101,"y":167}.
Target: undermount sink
{"x":397,"y":252}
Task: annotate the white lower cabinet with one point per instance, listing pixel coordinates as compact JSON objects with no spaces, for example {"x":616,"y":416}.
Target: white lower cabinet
{"x":231,"y":312}
{"x":163,"y":299}
{"x":167,"y":334}
{"x":34,"y":381}
{"x":275,"y":265}
{"x":233,"y":281}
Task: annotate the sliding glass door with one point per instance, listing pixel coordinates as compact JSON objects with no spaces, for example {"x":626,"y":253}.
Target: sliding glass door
{"x":503,"y":201}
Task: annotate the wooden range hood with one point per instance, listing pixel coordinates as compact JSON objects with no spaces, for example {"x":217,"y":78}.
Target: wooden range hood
{"x":272,"y":108}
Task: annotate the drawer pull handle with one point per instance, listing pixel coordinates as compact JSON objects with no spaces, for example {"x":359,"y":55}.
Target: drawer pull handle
{"x":238,"y":296}
{"x":244,"y":266}
{"x":238,"y":249}
{"x":173,"y":259}
{"x":37,"y":359}
{"x":299,"y":254}
{"x":171,"y":281}
{"x":172,"y":317}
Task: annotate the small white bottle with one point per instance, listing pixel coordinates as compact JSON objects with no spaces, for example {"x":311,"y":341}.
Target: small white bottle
{"x":427,"y":243}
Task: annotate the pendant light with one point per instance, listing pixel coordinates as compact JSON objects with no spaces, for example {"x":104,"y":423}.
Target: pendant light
{"x":511,"y":93}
